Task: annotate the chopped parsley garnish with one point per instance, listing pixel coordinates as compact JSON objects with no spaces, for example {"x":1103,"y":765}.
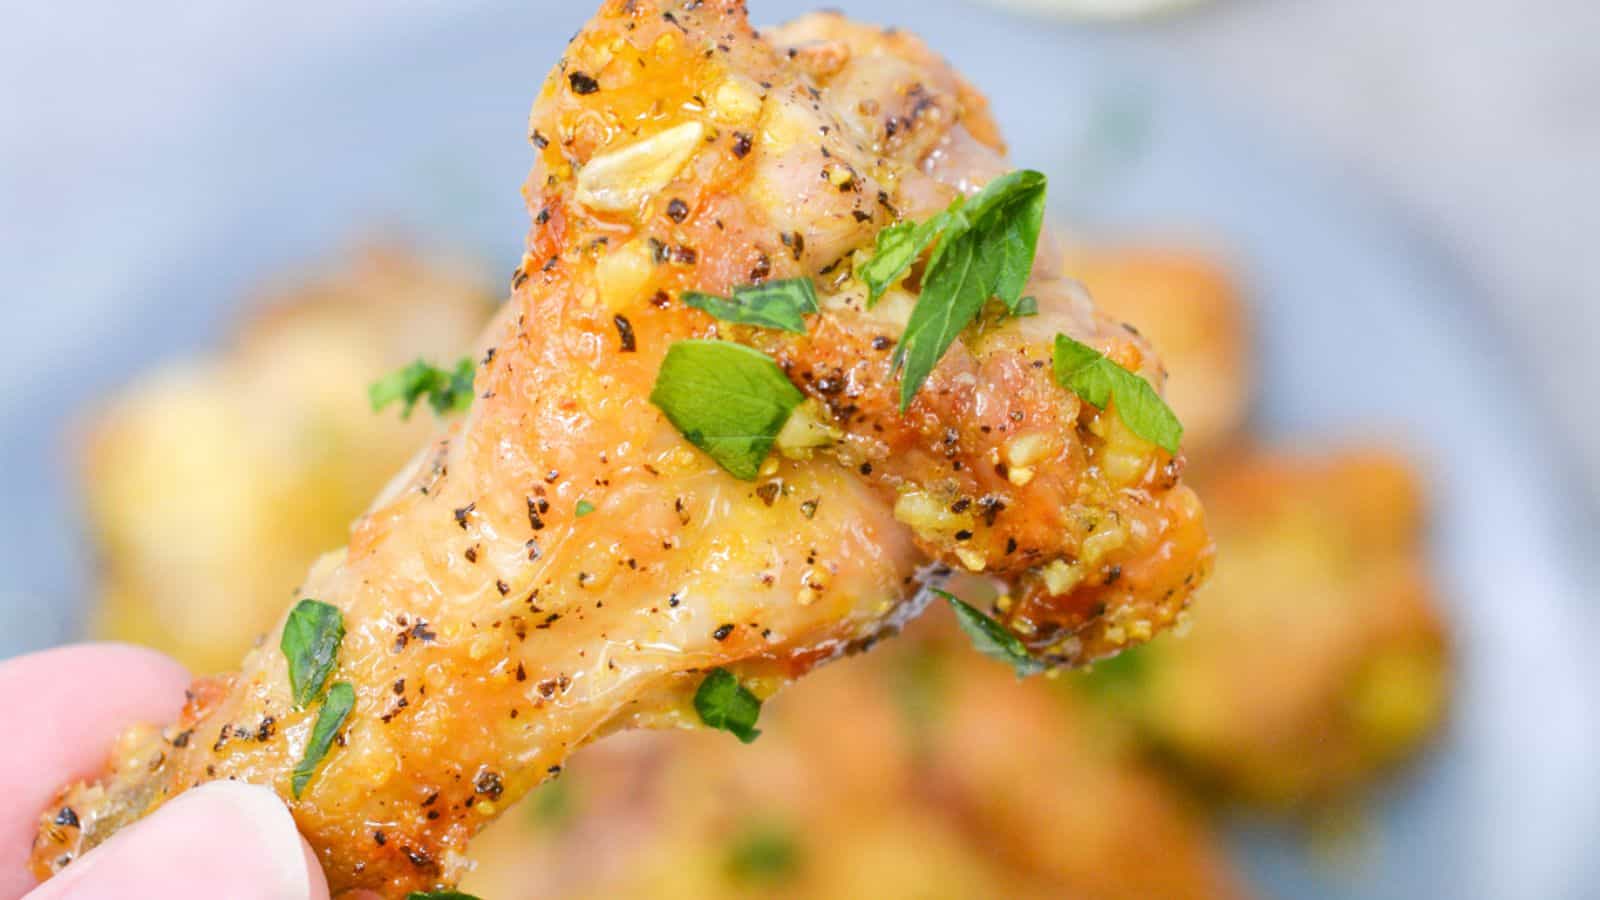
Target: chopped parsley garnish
{"x":764,"y":853}
{"x":1088,"y":373}
{"x":727,"y":399}
{"x":991,"y":638}
{"x":311,"y":643}
{"x":583,"y":509}
{"x":439,"y":895}
{"x":447,"y":391}
{"x":771,"y":304}
{"x":335,"y":708}
{"x":898,"y":246}
{"x":724,"y":703}
{"x":985,"y":248}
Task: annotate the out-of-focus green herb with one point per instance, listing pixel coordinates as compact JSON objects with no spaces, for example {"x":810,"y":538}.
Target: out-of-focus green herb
{"x":552,"y":804}
{"x":763,"y":853}
{"x":447,"y":391}
{"x":918,"y":680}
{"x":1120,"y":674}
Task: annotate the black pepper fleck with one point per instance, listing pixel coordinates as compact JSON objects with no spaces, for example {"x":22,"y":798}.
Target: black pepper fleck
{"x":625,"y":332}
{"x":488,"y":784}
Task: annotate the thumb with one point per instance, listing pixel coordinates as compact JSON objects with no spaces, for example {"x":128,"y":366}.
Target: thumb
{"x":222,"y":839}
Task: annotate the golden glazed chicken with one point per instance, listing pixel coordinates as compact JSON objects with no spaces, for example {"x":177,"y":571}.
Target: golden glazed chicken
{"x":742,"y":243}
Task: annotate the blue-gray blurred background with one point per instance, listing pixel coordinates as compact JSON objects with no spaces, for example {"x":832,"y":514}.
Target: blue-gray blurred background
{"x":1412,"y":190}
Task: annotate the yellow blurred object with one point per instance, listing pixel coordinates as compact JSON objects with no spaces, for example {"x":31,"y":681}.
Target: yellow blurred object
{"x":238,"y":468}
{"x":1317,"y":655}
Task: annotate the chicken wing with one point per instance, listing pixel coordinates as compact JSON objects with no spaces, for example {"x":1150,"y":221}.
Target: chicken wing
{"x":563,"y":563}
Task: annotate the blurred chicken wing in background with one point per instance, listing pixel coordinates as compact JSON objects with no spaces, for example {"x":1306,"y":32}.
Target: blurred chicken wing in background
{"x":241,"y":466}
{"x":1322,"y":658}
{"x":920,"y":770}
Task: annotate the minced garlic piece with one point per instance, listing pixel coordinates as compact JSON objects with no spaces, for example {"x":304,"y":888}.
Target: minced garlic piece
{"x":972,"y":559}
{"x":735,"y":101}
{"x":808,"y":428}
{"x":1061,"y":576}
{"x":930,"y":517}
{"x":623,"y":274}
{"x":1110,"y":536}
{"x":620,"y":180}
{"x":1124,"y":456}
{"x":1026,"y":449}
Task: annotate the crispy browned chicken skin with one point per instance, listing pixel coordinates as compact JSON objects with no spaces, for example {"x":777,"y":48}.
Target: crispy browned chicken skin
{"x":492,"y":628}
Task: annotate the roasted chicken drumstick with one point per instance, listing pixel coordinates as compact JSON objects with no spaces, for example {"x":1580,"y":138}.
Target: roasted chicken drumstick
{"x":566,"y":561}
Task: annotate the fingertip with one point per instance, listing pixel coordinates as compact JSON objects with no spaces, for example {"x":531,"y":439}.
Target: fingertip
{"x":225,"y":838}
{"x":69,"y":704}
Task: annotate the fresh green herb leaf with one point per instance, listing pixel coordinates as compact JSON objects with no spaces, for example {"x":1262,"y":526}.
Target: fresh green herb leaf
{"x":335,"y":708}
{"x":991,"y":638}
{"x":439,"y":895}
{"x":447,"y":391}
{"x":724,"y":703}
{"x":727,"y":399}
{"x":986,"y":251}
{"x":764,"y":853}
{"x":1026,"y":306}
{"x":1088,"y":373}
{"x":771,"y":304}
{"x":897,"y":247}
{"x":584,"y":508}
{"x":311,"y":643}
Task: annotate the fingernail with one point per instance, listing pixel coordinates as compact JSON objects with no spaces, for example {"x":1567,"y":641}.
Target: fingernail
{"x":224,"y":838}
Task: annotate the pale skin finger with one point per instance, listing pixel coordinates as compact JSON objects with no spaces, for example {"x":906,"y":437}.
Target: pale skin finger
{"x":223,"y":839}
{"x":65,"y":707}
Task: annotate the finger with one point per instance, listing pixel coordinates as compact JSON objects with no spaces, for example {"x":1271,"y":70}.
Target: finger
{"x":63,"y":709}
{"x":222,"y":839}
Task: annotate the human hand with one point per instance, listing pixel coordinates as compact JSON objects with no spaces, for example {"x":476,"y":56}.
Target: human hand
{"x":63,"y":708}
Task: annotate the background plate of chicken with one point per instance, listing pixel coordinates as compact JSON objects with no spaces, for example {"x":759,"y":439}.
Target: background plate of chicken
{"x":1387,"y":667}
